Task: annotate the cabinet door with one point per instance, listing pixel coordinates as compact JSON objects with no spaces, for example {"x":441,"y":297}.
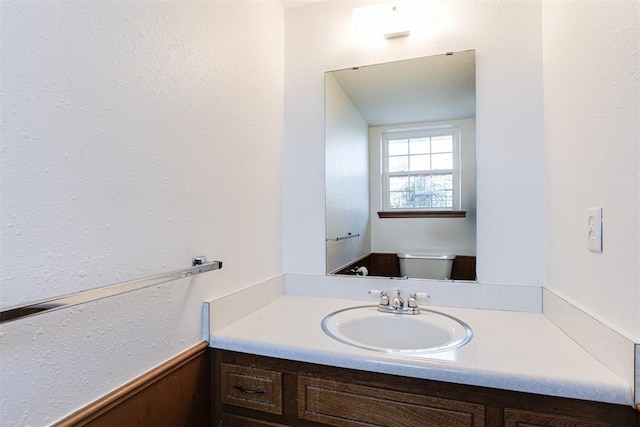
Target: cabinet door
{"x":251,"y":388}
{"x":520,"y":418}
{"x":344,"y":404}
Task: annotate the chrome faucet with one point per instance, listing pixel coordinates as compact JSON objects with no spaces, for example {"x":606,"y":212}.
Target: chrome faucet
{"x":398,"y":302}
{"x":412,"y":301}
{"x":397,"y":305}
{"x":384,"y":299}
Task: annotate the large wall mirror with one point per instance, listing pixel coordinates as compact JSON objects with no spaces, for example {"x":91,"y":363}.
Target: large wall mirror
{"x":400,"y":167}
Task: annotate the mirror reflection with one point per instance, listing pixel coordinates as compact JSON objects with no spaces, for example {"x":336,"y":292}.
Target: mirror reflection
{"x":400,"y":168}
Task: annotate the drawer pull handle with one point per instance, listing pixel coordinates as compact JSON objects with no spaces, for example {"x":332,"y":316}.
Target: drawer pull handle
{"x":248,"y":391}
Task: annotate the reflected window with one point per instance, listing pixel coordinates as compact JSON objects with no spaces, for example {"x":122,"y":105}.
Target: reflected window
{"x":420,"y":169}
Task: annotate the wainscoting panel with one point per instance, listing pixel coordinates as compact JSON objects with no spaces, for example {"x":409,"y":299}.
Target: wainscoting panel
{"x":176,"y":393}
{"x":387,"y":265}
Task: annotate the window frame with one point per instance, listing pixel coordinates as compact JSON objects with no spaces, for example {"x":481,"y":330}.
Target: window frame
{"x":414,"y":133}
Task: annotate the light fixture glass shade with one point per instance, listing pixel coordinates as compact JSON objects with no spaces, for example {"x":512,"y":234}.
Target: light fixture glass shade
{"x":394,"y":19}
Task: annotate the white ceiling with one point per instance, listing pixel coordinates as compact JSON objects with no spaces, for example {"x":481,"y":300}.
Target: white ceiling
{"x":429,"y":89}
{"x":295,"y":3}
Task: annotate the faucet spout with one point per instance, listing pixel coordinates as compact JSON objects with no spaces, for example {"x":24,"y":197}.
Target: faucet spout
{"x":398,"y":302}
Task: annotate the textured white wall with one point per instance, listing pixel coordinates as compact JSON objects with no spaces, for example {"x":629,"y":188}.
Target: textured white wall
{"x":592,"y":133}
{"x":511,"y":245}
{"x":347,"y":178}
{"x":135,"y":135}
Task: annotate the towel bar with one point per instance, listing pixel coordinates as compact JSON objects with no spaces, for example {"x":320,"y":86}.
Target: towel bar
{"x":348,"y":236}
{"x":199,"y":265}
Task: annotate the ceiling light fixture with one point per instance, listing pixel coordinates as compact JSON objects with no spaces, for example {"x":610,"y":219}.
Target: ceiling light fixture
{"x":395,"y":19}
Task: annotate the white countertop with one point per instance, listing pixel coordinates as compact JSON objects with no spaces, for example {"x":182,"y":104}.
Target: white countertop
{"x":517,"y":351}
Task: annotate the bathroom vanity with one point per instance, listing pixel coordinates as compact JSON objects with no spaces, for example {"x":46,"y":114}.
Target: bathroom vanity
{"x":251,"y":390}
{"x":277,"y":367}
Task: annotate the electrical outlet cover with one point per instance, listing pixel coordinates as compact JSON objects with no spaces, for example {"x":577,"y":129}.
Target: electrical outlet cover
{"x":594,"y":229}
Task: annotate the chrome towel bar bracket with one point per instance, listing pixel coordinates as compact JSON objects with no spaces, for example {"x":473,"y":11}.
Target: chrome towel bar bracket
{"x":198,"y":265}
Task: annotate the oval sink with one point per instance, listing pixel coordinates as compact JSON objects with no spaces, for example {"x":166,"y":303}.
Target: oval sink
{"x":366,"y":327}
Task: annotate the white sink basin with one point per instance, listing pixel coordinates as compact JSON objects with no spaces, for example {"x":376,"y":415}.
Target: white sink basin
{"x":366,"y":327}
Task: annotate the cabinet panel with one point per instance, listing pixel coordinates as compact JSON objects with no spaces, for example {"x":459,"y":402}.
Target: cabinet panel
{"x":343,"y":404}
{"x":230,"y":420}
{"x":519,"y":418}
{"x":251,"y":388}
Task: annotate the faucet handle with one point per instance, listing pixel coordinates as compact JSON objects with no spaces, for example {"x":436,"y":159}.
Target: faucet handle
{"x":384,"y":296}
{"x":412,"y":302}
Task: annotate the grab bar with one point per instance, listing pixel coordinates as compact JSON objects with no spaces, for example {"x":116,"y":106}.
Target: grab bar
{"x":198,"y":265}
{"x":348,"y":236}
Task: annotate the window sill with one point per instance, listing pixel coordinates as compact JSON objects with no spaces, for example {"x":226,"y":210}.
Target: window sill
{"x":422,"y":214}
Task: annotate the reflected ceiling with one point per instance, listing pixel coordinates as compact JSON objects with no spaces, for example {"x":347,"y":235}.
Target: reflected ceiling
{"x":446,"y":89}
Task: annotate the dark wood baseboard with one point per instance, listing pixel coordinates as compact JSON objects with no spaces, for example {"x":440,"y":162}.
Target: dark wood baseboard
{"x":387,"y":265}
{"x":464,"y":268}
{"x":175,"y":393}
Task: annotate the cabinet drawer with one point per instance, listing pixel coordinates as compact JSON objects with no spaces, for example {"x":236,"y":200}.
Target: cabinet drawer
{"x":251,"y":388}
{"x":520,"y":418}
{"x":342,"y":404}
{"x":230,"y":420}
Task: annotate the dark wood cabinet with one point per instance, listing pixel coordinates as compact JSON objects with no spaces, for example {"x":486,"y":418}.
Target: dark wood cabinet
{"x":519,"y":418}
{"x":252,"y":388}
{"x":258,"y":391}
{"x":339,"y":403}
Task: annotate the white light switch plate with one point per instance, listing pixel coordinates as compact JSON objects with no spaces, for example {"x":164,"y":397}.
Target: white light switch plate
{"x":594,"y":229}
